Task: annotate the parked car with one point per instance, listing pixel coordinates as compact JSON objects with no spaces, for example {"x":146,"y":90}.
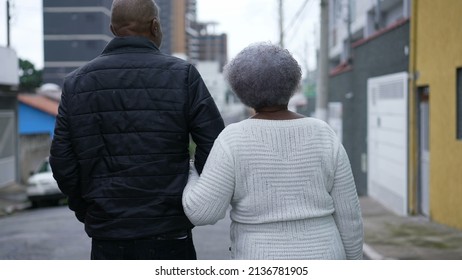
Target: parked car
{"x":42,"y":188}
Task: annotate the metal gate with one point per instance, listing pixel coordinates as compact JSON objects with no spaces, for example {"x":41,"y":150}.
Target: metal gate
{"x":387,"y":146}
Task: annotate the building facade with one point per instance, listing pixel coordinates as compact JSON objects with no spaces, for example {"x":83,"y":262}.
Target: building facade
{"x":400,"y":86}
{"x":210,"y":45}
{"x":76,"y":31}
{"x":353,"y":20}
{"x":37,"y":114}
{"x":435,"y":111}
{"x":367,"y":40}
{"x":37,"y":117}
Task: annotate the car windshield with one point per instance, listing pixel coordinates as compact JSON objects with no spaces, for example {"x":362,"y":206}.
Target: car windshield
{"x":44,"y":167}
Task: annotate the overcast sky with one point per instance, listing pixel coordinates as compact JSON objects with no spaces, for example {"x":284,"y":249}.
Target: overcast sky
{"x":245,"y":22}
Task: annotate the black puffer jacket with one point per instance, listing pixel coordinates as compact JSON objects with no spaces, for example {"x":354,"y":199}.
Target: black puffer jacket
{"x":120,"y":150}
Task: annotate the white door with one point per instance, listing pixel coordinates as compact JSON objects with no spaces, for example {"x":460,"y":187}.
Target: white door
{"x":387,"y":145}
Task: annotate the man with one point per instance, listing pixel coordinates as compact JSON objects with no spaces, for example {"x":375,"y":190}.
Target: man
{"x":120,"y":150}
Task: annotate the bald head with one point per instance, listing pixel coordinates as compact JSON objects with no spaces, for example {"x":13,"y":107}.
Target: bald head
{"x":135,"y":17}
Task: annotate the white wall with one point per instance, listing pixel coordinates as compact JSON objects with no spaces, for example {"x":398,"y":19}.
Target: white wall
{"x":9,"y":70}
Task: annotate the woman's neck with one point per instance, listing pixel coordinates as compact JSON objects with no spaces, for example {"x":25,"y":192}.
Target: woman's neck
{"x":278,"y":112}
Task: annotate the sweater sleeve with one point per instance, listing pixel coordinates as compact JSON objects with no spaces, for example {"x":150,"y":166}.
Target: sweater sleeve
{"x":206,"y":199}
{"x":347,"y":213}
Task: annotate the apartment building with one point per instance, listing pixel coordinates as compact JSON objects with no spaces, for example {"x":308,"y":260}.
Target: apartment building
{"x":369,"y":59}
{"x":76,"y":31}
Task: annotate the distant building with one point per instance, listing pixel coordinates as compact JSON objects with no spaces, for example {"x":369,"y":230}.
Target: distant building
{"x":369,"y":59}
{"x":76,"y":31}
{"x":353,"y":20}
{"x":37,"y":117}
{"x":37,"y":114}
{"x":178,"y":20}
{"x":212,"y":46}
{"x":214,"y":80}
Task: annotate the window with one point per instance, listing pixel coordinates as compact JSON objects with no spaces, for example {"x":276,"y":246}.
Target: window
{"x":459,"y":104}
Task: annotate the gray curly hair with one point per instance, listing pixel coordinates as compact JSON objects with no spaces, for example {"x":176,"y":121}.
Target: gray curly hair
{"x":263,"y":74}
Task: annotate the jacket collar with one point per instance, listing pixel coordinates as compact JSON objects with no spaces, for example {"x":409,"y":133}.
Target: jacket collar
{"x":130,"y":43}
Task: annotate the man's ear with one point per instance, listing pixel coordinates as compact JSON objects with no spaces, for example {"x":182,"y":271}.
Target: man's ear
{"x":155,"y":27}
{"x":113,"y":30}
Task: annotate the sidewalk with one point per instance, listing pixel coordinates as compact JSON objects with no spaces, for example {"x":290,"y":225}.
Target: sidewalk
{"x":387,"y":236}
{"x":13,"y":198}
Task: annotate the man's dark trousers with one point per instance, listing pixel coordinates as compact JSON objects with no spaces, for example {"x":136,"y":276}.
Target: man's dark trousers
{"x":144,"y":249}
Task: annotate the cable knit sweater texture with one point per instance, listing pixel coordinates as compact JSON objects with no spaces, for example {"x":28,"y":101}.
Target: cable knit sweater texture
{"x":290,"y":186}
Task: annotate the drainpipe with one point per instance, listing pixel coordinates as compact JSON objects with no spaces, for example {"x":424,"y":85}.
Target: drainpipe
{"x":413,"y":132}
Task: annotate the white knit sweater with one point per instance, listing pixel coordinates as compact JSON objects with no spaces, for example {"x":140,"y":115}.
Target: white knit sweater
{"x":291,"y":190}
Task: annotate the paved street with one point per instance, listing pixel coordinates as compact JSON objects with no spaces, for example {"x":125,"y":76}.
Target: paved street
{"x":54,"y":234}
{"x":47,"y":233}
{"x":212,"y":242}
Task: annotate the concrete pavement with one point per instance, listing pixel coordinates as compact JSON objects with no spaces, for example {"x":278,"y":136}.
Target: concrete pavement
{"x":387,"y":236}
{"x":13,"y":198}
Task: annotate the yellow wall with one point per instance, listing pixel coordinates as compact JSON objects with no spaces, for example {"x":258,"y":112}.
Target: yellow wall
{"x":438,"y":54}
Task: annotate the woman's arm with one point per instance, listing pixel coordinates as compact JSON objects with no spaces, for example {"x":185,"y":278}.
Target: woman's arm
{"x":206,"y":199}
{"x":347,"y":213}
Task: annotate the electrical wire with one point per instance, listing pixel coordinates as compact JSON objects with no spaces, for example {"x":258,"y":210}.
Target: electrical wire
{"x":296,"y":17}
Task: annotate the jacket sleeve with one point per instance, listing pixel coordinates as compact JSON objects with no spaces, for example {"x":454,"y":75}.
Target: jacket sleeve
{"x":64,"y":163}
{"x":347,"y":213}
{"x":205,"y":122}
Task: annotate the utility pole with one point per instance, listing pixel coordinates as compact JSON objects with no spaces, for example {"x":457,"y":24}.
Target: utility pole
{"x":322,"y":83}
{"x":350,"y":49}
{"x":281,"y":23}
{"x":8,"y":19}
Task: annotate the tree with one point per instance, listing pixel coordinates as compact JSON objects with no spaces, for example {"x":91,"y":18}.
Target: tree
{"x":29,"y":77}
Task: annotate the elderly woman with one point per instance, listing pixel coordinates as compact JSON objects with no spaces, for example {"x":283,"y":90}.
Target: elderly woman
{"x":287,"y":177}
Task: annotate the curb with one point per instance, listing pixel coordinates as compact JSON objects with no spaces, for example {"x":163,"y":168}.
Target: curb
{"x":10,"y":209}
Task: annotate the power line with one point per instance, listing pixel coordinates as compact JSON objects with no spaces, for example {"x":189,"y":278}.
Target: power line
{"x":297,"y":16}
{"x":298,"y":26}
